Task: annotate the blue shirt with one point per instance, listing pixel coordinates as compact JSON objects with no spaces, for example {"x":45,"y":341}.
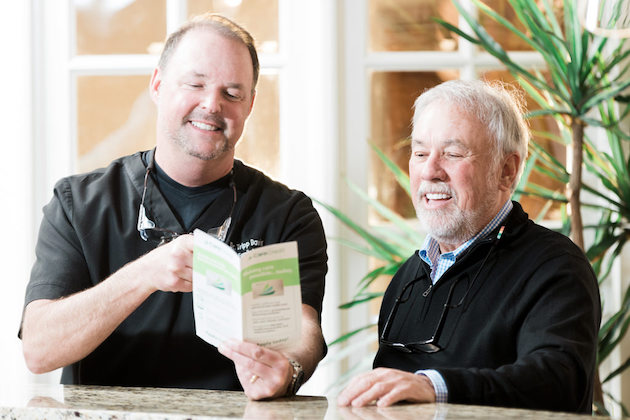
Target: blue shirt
{"x":439,"y":263}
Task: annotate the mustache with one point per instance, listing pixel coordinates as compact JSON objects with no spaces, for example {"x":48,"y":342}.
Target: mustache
{"x":434,"y":187}
{"x":212,"y":118}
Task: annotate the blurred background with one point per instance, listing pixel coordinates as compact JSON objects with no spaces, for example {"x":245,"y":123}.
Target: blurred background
{"x":336,"y":76}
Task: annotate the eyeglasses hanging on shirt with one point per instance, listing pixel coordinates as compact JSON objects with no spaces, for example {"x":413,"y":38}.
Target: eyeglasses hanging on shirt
{"x":150,"y":232}
{"x":431,"y":344}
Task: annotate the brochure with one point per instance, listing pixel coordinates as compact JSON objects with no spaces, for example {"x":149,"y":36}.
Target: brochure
{"x":254,"y":297}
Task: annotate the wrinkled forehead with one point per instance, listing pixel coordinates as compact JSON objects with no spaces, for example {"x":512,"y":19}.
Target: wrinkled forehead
{"x":440,"y":115}
{"x":448,"y":124}
{"x":441,"y":105}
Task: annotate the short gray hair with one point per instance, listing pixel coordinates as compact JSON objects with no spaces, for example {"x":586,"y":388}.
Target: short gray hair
{"x":500,"y":110}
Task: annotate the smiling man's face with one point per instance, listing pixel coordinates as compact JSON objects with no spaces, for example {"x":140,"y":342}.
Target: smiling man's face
{"x":204,"y":96}
{"x":454,"y":178}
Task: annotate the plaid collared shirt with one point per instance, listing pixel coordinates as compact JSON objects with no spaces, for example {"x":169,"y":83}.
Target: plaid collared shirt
{"x":439,"y":263}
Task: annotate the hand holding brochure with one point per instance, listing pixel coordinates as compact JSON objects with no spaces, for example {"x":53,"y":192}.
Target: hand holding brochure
{"x":254,"y":297}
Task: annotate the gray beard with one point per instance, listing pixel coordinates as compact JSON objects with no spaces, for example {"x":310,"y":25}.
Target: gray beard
{"x":453,"y":226}
{"x":449,"y":227}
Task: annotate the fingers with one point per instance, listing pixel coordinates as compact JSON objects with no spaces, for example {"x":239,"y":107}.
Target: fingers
{"x":180,"y":259}
{"x":263,"y":373}
{"x":357,"y":387}
{"x":365,"y":389}
{"x":386,"y":387}
{"x":169,"y":267}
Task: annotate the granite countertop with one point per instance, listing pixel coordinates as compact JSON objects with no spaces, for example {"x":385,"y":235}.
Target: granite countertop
{"x":53,"y":402}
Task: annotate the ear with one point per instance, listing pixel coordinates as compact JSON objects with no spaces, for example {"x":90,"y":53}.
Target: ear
{"x":509,"y":171}
{"x":154,"y":84}
{"x":251,"y":105}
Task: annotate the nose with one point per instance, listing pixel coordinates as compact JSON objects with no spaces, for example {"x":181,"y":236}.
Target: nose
{"x":432,"y":169}
{"x":212,"y":102}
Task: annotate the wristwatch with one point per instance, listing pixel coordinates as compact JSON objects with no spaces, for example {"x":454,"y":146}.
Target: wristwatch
{"x":297,"y":379}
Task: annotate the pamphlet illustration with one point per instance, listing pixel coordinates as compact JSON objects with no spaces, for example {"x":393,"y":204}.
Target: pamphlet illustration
{"x":254,"y":297}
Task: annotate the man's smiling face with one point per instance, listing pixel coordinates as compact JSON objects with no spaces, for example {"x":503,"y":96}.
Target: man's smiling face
{"x":454,"y":178}
{"x":204,"y":95}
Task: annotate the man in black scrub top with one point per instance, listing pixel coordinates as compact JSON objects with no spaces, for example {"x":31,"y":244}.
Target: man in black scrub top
{"x":109,"y":296}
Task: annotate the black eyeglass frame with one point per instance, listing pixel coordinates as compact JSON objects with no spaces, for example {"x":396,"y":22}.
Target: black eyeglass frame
{"x":426,"y":346}
{"x":146,"y":225}
{"x":430,"y":345}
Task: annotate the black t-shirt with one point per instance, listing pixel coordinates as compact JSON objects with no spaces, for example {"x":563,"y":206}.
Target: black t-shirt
{"x":89,"y":231}
{"x":188,"y":203}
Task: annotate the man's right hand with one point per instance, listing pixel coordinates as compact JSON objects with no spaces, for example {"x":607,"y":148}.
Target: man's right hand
{"x":168,"y":267}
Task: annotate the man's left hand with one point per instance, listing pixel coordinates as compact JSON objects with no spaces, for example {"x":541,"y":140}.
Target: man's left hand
{"x":386,"y":387}
{"x":263,"y":373}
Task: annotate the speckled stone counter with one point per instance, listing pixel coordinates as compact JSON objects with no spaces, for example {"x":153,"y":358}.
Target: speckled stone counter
{"x":86,"y":402}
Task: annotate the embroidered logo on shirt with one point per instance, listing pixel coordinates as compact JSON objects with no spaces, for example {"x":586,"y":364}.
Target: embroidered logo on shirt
{"x":248,"y":245}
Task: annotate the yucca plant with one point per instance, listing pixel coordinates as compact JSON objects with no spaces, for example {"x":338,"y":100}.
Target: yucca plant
{"x":611,"y":200}
{"x":586,"y":73}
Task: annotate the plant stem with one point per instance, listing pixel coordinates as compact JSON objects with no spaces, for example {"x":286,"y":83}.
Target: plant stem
{"x":575,"y":183}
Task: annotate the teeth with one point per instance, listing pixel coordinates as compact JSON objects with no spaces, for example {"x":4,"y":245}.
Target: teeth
{"x":437,"y":196}
{"x":203,"y":126}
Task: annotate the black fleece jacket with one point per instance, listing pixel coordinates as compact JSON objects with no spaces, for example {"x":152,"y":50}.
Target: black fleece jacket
{"x":525,"y":334}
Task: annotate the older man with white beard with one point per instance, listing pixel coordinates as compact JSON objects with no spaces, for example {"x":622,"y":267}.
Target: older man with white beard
{"x":493,"y":309}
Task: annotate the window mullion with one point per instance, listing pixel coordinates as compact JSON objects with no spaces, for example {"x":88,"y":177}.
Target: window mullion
{"x":176,"y":14}
{"x":123,"y":64}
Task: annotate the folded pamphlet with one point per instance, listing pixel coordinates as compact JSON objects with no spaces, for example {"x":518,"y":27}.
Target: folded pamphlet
{"x":253,"y":297}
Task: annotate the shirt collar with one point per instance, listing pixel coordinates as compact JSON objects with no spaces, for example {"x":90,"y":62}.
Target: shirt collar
{"x":430,"y":250}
